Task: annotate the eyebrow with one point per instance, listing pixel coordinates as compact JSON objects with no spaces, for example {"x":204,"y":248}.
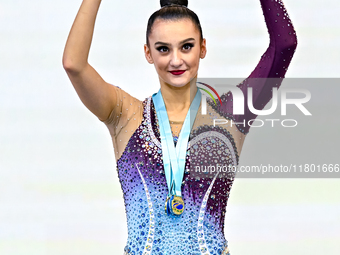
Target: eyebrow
{"x":167,"y":44}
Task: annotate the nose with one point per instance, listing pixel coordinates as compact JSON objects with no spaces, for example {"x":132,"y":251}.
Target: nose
{"x":176,"y":59}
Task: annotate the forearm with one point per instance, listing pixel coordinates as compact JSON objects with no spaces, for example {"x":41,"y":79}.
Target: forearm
{"x":79,"y":40}
{"x":280,"y":28}
{"x":283,"y":41}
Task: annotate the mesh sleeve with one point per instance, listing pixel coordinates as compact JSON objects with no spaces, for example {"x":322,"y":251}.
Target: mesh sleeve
{"x":123,"y":120}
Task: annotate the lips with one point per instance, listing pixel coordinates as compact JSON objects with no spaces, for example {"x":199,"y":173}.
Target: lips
{"x":177,"y":72}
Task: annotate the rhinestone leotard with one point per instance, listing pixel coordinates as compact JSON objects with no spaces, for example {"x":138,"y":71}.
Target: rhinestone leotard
{"x":134,"y":129}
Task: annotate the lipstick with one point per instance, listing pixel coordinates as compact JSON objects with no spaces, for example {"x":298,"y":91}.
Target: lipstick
{"x":177,"y":72}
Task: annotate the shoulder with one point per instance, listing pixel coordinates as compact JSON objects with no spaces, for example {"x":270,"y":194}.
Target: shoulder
{"x":126,"y":104}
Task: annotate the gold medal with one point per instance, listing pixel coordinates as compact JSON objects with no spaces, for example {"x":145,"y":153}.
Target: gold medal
{"x":177,"y":205}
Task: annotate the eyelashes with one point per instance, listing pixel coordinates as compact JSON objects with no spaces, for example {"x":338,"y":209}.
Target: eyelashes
{"x":163,"y":49}
{"x":185,"y":47}
{"x":188,"y":46}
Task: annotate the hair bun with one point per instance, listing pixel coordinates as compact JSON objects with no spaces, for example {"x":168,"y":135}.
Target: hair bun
{"x":177,"y":2}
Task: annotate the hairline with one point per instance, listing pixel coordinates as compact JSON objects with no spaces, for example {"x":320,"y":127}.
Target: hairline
{"x":174,"y":20}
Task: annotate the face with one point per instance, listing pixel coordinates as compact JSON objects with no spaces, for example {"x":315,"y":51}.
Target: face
{"x":175,"y":50}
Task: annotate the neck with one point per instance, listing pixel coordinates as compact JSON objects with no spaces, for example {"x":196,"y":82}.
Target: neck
{"x":177,"y":100}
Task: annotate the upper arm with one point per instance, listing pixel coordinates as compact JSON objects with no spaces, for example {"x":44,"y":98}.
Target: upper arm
{"x":97,"y":95}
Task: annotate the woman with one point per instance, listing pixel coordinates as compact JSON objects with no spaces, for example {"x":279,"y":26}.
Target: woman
{"x":172,"y":207}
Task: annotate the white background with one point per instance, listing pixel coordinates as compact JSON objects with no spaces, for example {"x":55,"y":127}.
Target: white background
{"x":59,"y":192}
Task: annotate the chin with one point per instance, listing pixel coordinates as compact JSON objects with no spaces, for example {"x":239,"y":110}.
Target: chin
{"x":178,"y":82}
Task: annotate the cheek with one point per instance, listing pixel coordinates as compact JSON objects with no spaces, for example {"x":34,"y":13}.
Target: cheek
{"x":194,"y":60}
{"x":161,"y":63}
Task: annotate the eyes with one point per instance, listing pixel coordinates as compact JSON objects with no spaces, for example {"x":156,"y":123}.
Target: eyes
{"x":186,"y":47}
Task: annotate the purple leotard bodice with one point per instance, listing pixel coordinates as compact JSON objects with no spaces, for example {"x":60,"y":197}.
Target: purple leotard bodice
{"x":200,"y":229}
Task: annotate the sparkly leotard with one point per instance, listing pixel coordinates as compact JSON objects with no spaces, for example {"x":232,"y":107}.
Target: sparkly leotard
{"x":134,"y":129}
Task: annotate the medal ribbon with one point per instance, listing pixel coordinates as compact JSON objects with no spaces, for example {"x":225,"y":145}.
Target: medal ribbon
{"x":174,"y":159}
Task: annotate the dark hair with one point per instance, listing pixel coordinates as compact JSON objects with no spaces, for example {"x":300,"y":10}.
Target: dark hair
{"x":173,"y":10}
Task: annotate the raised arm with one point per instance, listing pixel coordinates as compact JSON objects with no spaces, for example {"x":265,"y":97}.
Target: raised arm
{"x":273,"y":64}
{"x":97,"y":95}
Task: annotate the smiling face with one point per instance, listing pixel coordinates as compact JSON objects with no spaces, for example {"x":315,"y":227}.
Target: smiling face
{"x":175,"y":48}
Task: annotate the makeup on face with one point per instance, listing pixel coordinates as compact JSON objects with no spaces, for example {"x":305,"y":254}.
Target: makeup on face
{"x":175,"y":50}
{"x":177,"y":72}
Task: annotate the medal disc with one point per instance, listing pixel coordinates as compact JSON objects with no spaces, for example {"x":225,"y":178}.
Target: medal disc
{"x":177,"y":205}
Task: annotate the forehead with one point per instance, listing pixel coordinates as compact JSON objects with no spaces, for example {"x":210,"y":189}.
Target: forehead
{"x":172,"y":31}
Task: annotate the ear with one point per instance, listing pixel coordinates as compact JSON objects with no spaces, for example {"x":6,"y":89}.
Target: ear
{"x":203,"y":49}
{"x":147,"y":53}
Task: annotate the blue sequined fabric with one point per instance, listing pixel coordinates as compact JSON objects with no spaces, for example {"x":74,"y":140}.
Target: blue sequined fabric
{"x":199,"y":230}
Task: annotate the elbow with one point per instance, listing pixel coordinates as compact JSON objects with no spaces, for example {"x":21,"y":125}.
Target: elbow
{"x":291,"y":48}
{"x":287,"y":47}
{"x":70,"y":66}
{"x":294,"y":42}
{"x":282,"y":43}
{"x":291,"y":43}
{"x":67,"y":65}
